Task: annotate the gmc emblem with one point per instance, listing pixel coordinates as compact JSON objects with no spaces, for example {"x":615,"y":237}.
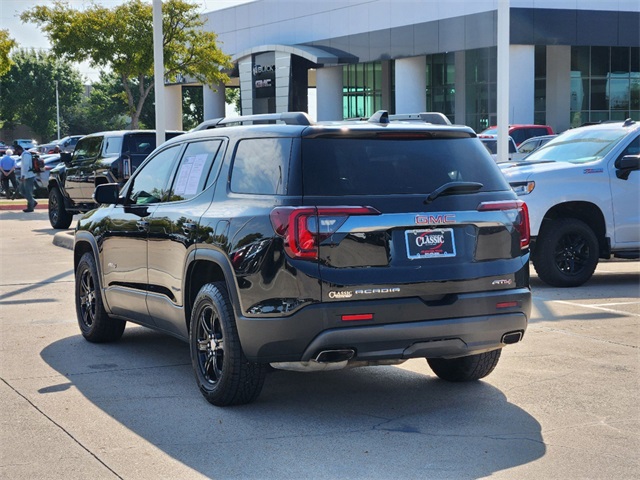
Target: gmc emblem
{"x":434,"y":219}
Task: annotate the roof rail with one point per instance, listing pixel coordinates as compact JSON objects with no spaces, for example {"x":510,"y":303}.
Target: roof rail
{"x":428,"y":117}
{"x":289,"y":118}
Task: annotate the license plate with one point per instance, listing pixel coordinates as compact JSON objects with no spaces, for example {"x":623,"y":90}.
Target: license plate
{"x":436,"y":243}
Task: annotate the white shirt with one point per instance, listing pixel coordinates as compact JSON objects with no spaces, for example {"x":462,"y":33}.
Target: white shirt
{"x":27,"y":160}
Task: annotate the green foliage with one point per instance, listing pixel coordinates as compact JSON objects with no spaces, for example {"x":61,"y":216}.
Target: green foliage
{"x":6,"y":44}
{"x":29,"y":92}
{"x":122,"y":39}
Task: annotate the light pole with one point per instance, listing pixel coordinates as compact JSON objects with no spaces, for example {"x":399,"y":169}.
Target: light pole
{"x":58,"y":109}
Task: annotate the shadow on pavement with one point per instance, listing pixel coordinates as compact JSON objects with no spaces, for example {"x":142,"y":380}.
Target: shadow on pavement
{"x":377,"y":422}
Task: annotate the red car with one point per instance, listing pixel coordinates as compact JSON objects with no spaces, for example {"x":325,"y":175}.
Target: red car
{"x":520,"y":133}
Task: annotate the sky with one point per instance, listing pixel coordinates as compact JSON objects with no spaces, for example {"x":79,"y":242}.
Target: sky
{"x":28,"y":35}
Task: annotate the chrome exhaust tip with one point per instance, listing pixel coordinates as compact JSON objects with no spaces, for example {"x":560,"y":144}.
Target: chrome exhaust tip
{"x":510,"y":338}
{"x":335,"y":356}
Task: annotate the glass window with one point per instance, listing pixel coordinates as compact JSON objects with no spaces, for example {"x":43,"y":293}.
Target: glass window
{"x":194,"y":170}
{"x":112,"y":146}
{"x":87,"y":148}
{"x":579,"y":146}
{"x":149,"y":184}
{"x":387,"y":166}
{"x":600,"y":61}
{"x":261,"y":166}
{"x":620,"y":60}
{"x":142,"y":144}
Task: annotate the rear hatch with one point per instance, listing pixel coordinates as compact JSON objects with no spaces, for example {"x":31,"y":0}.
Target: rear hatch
{"x":394,"y":213}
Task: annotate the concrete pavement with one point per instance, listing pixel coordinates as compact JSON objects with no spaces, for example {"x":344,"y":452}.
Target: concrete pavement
{"x":560,"y":404}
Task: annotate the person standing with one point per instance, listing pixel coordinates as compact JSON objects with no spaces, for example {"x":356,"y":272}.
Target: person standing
{"x":7,"y":171}
{"x":27,"y":177}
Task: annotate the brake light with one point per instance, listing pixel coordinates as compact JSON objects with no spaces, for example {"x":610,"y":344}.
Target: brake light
{"x":304,"y":228}
{"x":521,"y":223}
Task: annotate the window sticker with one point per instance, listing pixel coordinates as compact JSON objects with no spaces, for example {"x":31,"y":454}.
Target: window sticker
{"x":190,"y":173}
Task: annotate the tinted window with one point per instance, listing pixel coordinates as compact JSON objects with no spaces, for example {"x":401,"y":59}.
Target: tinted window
{"x":87,"y":148}
{"x":195,"y":169}
{"x":348,"y":166}
{"x":519,"y":136}
{"x":141,"y":144}
{"x":261,"y":166}
{"x":149,"y":185}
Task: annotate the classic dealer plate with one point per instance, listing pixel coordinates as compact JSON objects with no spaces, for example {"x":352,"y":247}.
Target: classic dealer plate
{"x":430,"y":243}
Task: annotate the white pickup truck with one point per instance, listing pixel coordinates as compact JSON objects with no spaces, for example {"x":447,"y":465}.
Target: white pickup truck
{"x":582,"y":192}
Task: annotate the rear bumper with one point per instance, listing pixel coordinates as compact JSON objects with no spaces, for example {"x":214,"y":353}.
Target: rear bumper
{"x":401,"y":328}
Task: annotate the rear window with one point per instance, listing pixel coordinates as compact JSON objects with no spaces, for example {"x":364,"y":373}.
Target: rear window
{"x":374,"y":166}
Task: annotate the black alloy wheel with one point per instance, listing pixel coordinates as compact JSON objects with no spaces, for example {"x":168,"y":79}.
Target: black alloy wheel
{"x":210,"y":345}
{"x":223,"y":373}
{"x":59,"y":217}
{"x":566,"y":253}
{"x":94,"y":322}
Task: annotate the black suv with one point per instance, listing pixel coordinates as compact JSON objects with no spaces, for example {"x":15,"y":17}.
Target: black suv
{"x":311,"y":246}
{"x":103,"y":157}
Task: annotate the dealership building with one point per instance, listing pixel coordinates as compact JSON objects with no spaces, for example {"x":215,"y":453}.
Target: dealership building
{"x":570,"y":61}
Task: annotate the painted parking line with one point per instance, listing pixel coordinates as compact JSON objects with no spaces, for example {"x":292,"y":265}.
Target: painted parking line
{"x":600,"y":307}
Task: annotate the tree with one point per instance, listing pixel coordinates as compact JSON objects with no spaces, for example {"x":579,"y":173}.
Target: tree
{"x":6,"y":44}
{"x":29,"y":91}
{"x":122,"y":39}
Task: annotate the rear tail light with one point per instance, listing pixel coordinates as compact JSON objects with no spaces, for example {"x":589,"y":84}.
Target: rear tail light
{"x":521,"y":223}
{"x":304,"y":228}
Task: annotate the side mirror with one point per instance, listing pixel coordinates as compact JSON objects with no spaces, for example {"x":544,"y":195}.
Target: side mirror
{"x":626,"y":165}
{"x":65,"y":157}
{"x":107,"y":194}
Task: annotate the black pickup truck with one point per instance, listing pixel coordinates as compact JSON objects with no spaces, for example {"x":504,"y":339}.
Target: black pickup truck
{"x":104,"y":157}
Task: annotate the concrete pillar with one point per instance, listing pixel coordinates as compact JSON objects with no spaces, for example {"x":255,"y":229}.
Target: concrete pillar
{"x":283,"y":76}
{"x":558,"y":87}
{"x":521,"y":83}
{"x":460,"y":117}
{"x":246,"y":85}
{"x":213,"y":101}
{"x":173,"y":107}
{"x":329,"y":93}
{"x":411,"y":84}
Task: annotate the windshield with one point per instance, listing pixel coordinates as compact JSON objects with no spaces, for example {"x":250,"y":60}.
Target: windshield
{"x":579,"y":146}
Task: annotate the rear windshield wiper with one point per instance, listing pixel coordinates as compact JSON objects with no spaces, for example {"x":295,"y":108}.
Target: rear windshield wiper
{"x":451,"y":188}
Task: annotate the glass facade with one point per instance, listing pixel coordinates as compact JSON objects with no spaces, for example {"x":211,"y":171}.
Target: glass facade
{"x":361,"y":89}
{"x":481,"y":67}
{"x":441,"y":79}
{"x":605,"y":84}
{"x":540,"y":86}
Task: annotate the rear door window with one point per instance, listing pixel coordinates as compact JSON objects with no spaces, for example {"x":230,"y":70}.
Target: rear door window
{"x":195,"y":171}
{"x":370,"y":166}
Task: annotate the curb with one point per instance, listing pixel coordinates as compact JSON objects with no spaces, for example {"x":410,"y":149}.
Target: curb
{"x":22,"y":206}
{"x":64,"y":239}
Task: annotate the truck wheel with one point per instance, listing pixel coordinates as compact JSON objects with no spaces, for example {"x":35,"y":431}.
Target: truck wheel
{"x":95,"y":324}
{"x":566,"y":253}
{"x":224,"y":375}
{"x":465,"y":369}
{"x":59,"y":217}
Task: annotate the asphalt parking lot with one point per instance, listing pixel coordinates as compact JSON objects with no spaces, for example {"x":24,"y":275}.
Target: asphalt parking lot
{"x":563,"y":403}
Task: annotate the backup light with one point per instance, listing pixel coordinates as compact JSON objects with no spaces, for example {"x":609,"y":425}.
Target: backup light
{"x":522,"y":221}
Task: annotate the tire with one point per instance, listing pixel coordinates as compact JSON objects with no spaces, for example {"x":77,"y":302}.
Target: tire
{"x":95,"y":324}
{"x":224,"y":375}
{"x":566,"y":253}
{"x":465,"y":369}
{"x":59,"y":217}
